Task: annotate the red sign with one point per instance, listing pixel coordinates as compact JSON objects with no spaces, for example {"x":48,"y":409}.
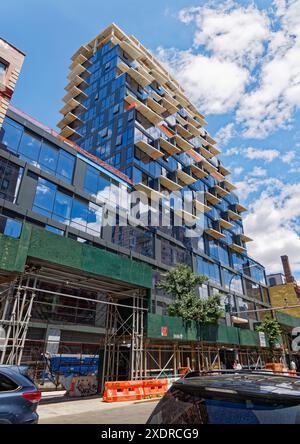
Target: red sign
{"x":164,"y":331}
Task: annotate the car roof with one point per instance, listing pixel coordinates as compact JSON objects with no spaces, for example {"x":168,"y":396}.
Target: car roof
{"x":241,"y":384}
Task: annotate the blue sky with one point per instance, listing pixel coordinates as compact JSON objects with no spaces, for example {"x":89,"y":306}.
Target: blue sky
{"x":239,"y":61}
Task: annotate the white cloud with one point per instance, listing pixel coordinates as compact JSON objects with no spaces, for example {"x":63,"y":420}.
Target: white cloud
{"x":272,"y":222}
{"x":238,"y":171}
{"x":215,"y":85}
{"x":232,"y":32}
{"x":226,"y":133}
{"x":273,"y":103}
{"x":263,"y":154}
{"x":243,"y":59}
{"x":289,"y":157}
{"x":258,"y":172}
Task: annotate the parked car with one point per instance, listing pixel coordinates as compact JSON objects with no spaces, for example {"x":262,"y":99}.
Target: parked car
{"x":19,"y":396}
{"x":230,"y":397}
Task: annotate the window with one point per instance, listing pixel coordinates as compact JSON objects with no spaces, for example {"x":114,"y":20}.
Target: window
{"x":6,"y":384}
{"x":53,"y":203}
{"x":54,"y":230}
{"x":65,"y":166}
{"x":10,"y":178}
{"x":10,"y":135}
{"x":48,"y":157}
{"x":30,"y":147}
{"x":62,"y":207}
{"x":119,"y":140}
{"x":232,"y":282}
{"x":253,"y":290}
{"x":10,"y":227}
{"x":208,"y":269}
{"x":3,"y":69}
{"x":44,"y":198}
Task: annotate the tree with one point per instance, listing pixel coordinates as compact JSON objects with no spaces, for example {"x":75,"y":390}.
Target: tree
{"x":272,"y":330}
{"x":181,"y":282}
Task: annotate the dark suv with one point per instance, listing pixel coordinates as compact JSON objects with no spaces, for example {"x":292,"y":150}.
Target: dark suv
{"x":230,"y":398}
{"x":19,"y":397}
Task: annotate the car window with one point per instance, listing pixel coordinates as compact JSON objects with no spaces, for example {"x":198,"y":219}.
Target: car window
{"x":178,"y":407}
{"x":185,"y":407}
{"x":6,"y":384}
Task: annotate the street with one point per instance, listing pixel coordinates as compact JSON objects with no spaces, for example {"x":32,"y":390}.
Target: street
{"x":94,"y":411}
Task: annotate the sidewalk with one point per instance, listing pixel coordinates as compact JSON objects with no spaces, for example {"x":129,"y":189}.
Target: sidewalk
{"x":94,"y":411}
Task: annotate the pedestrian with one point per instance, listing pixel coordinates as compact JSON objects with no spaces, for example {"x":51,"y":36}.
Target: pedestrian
{"x":237,"y":365}
{"x":293,"y":365}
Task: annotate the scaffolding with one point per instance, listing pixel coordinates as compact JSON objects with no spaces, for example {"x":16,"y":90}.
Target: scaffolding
{"x":124,"y":309}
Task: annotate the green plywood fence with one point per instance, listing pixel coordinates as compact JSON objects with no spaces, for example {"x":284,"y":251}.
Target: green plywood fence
{"x":171,"y":328}
{"x":41,"y":244}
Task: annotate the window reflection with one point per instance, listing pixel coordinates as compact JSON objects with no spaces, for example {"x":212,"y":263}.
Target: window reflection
{"x":10,"y":179}
{"x":50,"y":202}
{"x":35,"y":150}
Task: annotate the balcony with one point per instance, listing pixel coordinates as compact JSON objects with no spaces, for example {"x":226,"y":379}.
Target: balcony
{"x":214,"y":233}
{"x":224,"y":170}
{"x":128,"y":48}
{"x":237,"y":248}
{"x":205,"y":153}
{"x":194,"y":122}
{"x":245,"y":238}
{"x":155,"y":106}
{"x":210,"y":140}
{"x":240,"y":208}
{"x":214,"y":150}
{"x":182,"y":100}
{"x":233,"y":215}
{"x":77,"y":71}
{"x":68,"y":118}
{"x":143,"y":109}
{"x":169,"y":147}
{"x":183,"y":132}
{"x":149,"y":149}
{"x":161,"y":78}
{"x":170,"y":184}
{"x":152,"y":194}
{"x":67,"y":132}
{"x":169,"y":106}
{"x":214,"y":200}
{"x":122,"y":66}
{"x":192,"y":129}
{"x":229,"y":186}
{"x":198,"y":172}
{"x":79,"y":60}
{"x":83,"y":50}
{"x":226,"y":224}
{"x":185,"y":178}
{"x":140,"y":76}
{"x":76,"y":81}
{"x":200,"y":206}
{"x":71,"y":105}
{"x":74,"y":92}
{"x":220,"y":191}
{"x":186,"y":216}
{"x":183,"y":144}
{"x":209,"y":167}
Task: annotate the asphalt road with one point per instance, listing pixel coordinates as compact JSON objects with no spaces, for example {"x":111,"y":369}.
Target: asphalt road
{"x":96,"y":412}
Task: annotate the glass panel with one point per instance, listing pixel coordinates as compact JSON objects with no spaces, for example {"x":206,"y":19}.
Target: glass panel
{"x":91,"y":179}
{"x":45,"y":196}
{"x":94,"y":222}
{"x":10,"y":135}
{"x":48,"y":157}
{"x":30,"y":147}
{"x":13,"y":228}
{"x":10,"y":178}
{"x":54,"y":230}
{"x":65,"y":167}
{"x":79,"y":213}
{"x":62,"y":207}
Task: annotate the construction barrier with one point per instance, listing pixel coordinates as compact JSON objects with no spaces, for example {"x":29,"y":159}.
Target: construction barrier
{"x":155,"y":388}
{"x":120,"y":391}
{"x":293,"y":373}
